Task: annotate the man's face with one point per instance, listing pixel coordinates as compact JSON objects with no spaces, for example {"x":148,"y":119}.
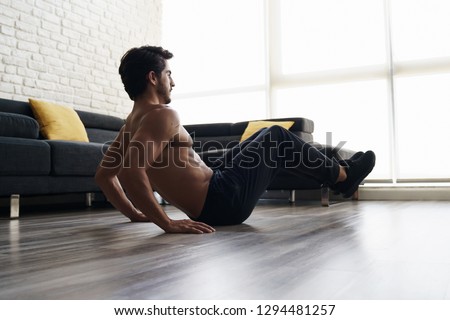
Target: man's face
{"x":165,"y":85}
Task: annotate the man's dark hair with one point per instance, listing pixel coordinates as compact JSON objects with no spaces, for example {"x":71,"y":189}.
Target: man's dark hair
{"x":136,"y":63}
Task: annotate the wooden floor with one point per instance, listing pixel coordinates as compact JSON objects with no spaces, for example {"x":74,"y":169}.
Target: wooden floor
{"x":351,"y":250}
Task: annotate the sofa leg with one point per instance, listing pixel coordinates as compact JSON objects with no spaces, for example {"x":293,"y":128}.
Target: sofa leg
{"x":325,"y":196}
{"x":14,"y":206}
{"x":292,"y":196}
{"x":356,"y":195}
{"x":89,"y":197}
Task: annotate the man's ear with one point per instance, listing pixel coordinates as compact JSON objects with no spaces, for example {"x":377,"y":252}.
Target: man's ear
{"x":152,"y":77}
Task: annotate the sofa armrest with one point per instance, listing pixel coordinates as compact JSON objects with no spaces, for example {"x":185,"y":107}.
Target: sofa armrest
{"x":18,"y":126}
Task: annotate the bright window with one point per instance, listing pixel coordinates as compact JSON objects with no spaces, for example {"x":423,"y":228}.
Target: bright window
{"x":420,"y":29}
{"x":374,"y":73}
{"x":422,"y":105}
{"x":221,"y":108}
{"x":329,"y":34}
{"x":354,"y":112}
{"x":216,"y":44}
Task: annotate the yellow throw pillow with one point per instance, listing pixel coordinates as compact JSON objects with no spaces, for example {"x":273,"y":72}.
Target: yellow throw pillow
{"x":58,"y":122}
{"x":254,"y":126}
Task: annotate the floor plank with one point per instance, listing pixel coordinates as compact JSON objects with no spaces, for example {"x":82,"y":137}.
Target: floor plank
{"x":351,"y":250}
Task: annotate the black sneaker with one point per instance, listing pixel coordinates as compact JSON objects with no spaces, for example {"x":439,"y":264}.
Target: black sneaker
{"x":346,"y":162}
{"x":357,"y":171}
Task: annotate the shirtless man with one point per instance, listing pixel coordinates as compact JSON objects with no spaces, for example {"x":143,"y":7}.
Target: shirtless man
{"x":153,"y":152}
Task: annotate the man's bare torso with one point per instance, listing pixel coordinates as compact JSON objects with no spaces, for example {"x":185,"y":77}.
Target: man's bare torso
{"x":177,"y":174}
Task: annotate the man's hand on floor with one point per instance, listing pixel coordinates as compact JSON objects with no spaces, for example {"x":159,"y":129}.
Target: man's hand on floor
{"x":188,"y":226}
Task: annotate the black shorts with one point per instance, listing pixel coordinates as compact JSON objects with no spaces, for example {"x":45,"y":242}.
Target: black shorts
{"x":245,"y":172}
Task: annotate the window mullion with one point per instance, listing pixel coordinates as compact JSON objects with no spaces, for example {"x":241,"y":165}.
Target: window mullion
{"x":391,"y":94}
{"x":273,"y":45}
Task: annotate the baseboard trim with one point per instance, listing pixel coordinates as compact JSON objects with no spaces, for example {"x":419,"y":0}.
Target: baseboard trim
{"x":405,"y":193}
{"x":375,"y":192}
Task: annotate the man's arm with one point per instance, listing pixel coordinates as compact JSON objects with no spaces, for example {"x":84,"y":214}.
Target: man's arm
{"x":106,"y":179}
{"x":144,"y":149}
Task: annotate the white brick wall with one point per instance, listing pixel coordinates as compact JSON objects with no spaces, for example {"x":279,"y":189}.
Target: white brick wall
{"x":68,"y":51}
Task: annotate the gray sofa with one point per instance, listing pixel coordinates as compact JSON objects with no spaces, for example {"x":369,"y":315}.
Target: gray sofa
{"x":32,"y":165}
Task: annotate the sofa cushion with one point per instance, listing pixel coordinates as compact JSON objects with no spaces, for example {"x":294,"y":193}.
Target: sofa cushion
{"x":38,"y":185}
{"x":24,"y":157}
{"x":18,"y":125}
{"x":99,"y":127}
{"x":24,"y":185}
{"x":72,"y":184}
{"x":101,"y":135}
{"x":58,"y":122}
{"x":100,"y":121}
{"x":13,"y":106}
{"x":73,"y":158}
